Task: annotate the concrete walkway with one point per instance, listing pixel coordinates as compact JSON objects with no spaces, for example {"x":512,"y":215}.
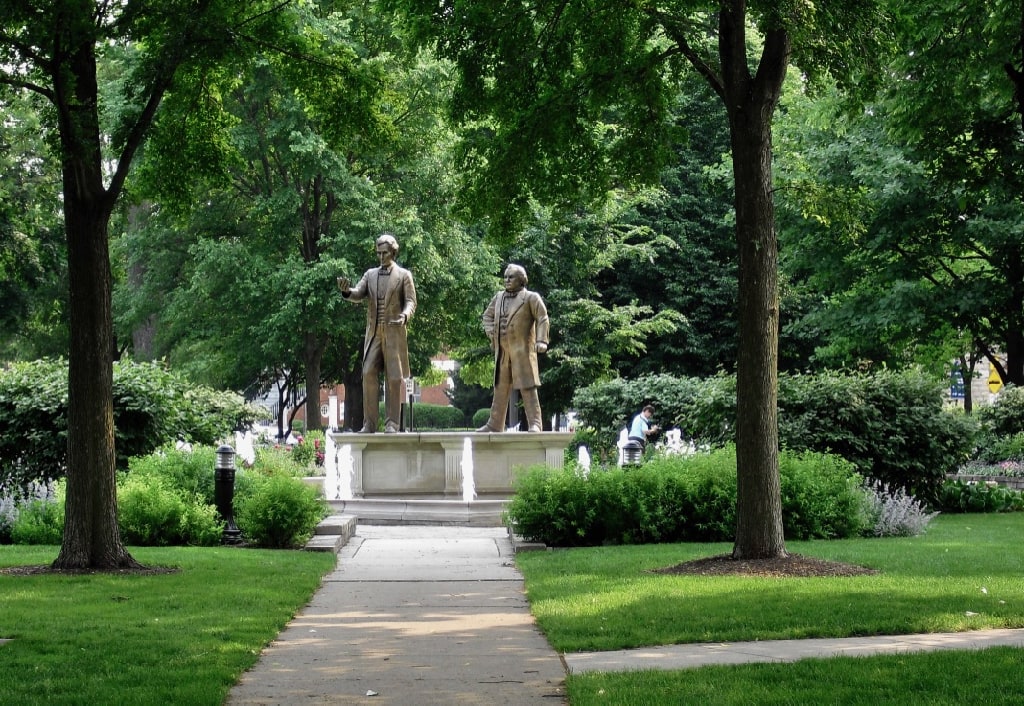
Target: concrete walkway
{"x":412,"y":615}
{"x":437,"y":615}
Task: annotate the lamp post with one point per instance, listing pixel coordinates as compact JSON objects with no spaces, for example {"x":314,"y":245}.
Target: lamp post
{"x":224,"y":493}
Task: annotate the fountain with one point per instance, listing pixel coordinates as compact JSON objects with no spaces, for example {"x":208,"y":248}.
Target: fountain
{"x":244,"y":447}
{"x":584,"y":461}
{"x":330,"y":468}
{"x":345,"y":470}
{"x":468,"y":485}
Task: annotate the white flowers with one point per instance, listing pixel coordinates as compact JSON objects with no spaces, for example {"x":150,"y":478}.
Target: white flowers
{"x":894,"y":513}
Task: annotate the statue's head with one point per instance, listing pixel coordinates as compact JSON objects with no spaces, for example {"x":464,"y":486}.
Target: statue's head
{"x":515,"y":278}
{"x":388,"y":240}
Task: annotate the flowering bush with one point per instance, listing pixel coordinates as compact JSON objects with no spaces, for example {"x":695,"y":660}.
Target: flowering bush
{"x":893,"y":513}
{"x":34,"y":515}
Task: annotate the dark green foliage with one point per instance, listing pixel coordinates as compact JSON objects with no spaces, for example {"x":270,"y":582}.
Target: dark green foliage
{"x":279,"y":512}
{"x":961,"y":496}
{"x":468,"y":397}
{"x":680,"y":499}
{"x":892,"y":426}
{"x":1005,"y":416}
{"x":152,"y":406}
{"x":437,"y":416}
{"x":608,"y":407}
{"x":480,"y":417}
{"x":33,"y":422}
{"x":997,"y":449}
{"x":821,"y":496}
{"x":167,"y":498}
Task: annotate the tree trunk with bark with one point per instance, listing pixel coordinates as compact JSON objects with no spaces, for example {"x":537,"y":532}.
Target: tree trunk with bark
{"x":750,"y":102}
{"x":313,"y":346}
{"x":353,"y":381}
{"x":92,"y":537}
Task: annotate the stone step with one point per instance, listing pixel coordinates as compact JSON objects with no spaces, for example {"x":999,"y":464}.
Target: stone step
{"x":332,"y":533}
{"x":403,"y":511}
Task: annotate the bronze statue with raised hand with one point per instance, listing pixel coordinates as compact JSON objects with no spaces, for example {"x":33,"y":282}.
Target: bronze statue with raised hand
{"x":391,"y":297}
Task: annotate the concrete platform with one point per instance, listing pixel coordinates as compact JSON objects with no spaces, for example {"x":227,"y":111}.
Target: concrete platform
{"x":430,"y":464}
{"x":397,"y":511}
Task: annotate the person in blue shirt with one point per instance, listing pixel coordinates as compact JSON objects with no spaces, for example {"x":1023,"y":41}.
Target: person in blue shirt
{"x":641,"y":427}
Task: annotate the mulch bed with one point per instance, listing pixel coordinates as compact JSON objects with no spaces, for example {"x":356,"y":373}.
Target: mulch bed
{"x":794,"y":565}
{"x":39,"y":569}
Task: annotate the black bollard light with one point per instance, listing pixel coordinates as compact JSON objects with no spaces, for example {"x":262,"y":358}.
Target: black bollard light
{"x":224,"y":493}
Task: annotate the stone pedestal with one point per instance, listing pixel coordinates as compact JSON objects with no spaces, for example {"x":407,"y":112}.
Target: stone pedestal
{"x":429,"y":464}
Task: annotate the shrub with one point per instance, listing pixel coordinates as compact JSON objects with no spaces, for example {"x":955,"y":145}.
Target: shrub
{"x":821,"y":496}
{"x":480,"y":417}
{"x":893,"y":426}
{"x":188,"y":471}
{"x":38,"y":516}
{"x":994,"y":449}
{"x":39,"y":522}
{"x":961,"y":496}
{"x":278,"y":511}
{"x":1005,"y":416}
{"x":304,"y":454}
{"x":893,"y":513}
{"x":437,"y":416}
{"x":679,"y":498}
{"x":12,"y":499}
{"x":152,"y":513}
{"x":278,"y":460}
{"x":318,"y":440}
{"x":609,"y":406}
{"x":152,"y":407}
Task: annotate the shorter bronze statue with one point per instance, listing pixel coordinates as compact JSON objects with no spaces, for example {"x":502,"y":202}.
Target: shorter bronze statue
{"x":516,"y":321}
{"x":392,"y":301}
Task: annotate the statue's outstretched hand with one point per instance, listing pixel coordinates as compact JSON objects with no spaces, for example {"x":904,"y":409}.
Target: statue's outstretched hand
{"x":344,"y":285}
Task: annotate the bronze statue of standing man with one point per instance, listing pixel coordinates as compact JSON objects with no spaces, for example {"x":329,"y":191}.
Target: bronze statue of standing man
{"x":392,"y":301}
{"x":516,"y":321}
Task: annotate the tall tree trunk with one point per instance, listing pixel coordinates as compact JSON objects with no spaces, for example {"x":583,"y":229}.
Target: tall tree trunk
{"x":353,"y":381}
{"x":750,"y":102}
{"x":91,"y":535}
{"x":313,"y":347}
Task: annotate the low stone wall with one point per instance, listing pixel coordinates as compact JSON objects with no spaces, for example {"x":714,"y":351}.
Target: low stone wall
{"x":430,"y":464}
{"x":1011,"y":482}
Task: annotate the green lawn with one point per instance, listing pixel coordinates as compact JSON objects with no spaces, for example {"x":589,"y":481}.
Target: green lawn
{"x":177,"y":638}
{"x":966,"y":573}
{"x":185,"y":637}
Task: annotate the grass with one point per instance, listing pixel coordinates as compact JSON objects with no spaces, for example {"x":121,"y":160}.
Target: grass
{"x":966,"y":573}
{"x":176,"y":638}
{"x":982,"y":677}
{"x":186,"y":637}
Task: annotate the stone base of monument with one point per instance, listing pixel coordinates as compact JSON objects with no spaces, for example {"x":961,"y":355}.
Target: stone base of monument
{"x":429,"y":465}
{"x":392,"y":511}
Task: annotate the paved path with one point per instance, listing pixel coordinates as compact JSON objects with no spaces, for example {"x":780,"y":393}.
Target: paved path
{"x":412,"y":615}
{"x":422,"y":615}
{"x":698,"y":655}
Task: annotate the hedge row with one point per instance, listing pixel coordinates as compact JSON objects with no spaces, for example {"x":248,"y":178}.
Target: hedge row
{"x":152,"y":406}
{"x":682,"y":499}
{"x":894,"y":427}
